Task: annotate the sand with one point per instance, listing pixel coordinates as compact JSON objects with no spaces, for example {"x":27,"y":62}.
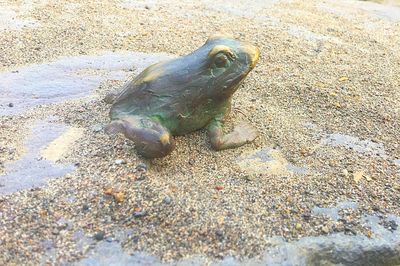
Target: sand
{"x":330,"y":67}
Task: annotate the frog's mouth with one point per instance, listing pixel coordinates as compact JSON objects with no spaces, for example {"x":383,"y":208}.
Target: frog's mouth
{"x":234,"y":82}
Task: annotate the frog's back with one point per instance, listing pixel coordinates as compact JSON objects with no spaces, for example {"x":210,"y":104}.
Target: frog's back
{"x":172,"y":92}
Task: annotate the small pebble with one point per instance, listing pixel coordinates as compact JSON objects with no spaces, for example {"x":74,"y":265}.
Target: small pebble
{"x":108,"y":190}
{"x":141,"y":178}
{"x":99,"y":236}
{"x":10,"y":105}
{"x":219,"y":233}
{"x":306,"y":216}
{"x":345,"y":172}
{"x":325,"y":229}
{"x":349,"y":230}
{"x":391,"y":225}
{"x":119,"y":196}
{"x":97,"y":128}
{"x":62,"y":224}
{"x":139,"y":214}
{"x":167,"y":200}
{"x":120,"y":161}
{"x":141,"y":167}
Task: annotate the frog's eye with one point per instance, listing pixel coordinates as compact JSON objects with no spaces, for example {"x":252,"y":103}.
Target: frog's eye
{"x":221,"y":60}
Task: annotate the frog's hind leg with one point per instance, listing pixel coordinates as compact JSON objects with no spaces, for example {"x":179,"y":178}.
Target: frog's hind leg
{"x":151,"y":139}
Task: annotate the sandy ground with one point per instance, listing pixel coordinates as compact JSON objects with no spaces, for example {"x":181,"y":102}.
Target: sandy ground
{"x":324,"y":97}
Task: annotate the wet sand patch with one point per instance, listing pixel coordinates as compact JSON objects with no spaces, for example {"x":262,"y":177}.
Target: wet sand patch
{"x":365,"y":147}
{"x":32,"y":170}
{"x":57,"y":148}
{"x":66,"y":78}
{"x":10,"y":18}
{"x":268,"y":161}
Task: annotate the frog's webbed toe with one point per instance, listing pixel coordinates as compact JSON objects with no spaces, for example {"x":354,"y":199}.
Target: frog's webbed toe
{"x":242,"y":133}
{"x":151,"y":139}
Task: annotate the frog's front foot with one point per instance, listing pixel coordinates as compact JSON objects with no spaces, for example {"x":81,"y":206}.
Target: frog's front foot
{"x":242,"y":133}
{"x":151,"y":139}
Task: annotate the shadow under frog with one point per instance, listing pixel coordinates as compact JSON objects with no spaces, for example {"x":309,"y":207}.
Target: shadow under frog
{"x":182,"y":95}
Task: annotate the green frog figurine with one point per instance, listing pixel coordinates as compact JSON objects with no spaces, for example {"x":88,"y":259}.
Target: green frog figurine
{"x":181,"y":95}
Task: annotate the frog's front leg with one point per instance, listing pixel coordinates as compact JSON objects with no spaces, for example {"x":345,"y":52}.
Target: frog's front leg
{"x":152,"y":140}
{"x":242,"y":133}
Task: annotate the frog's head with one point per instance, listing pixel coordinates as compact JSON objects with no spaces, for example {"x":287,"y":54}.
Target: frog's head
{"x":228,"y":62}
{"x":214,"y":70}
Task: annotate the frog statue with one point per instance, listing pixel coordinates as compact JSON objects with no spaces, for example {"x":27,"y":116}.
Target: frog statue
{"x":181,"y":95}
